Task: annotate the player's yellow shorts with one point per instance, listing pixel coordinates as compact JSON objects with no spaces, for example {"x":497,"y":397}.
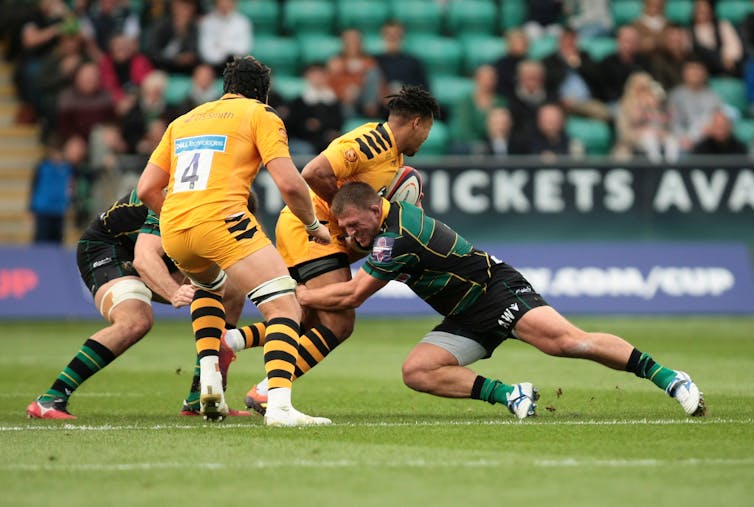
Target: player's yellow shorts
{"x":295,"y":245}
{"x":216,"y":242}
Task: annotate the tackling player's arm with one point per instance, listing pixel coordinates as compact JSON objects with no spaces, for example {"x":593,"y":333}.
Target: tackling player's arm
{"x":341,"y":296}
{"x":295,"y":193}
{"x":148,"y":262}
{"x":320,"y":176}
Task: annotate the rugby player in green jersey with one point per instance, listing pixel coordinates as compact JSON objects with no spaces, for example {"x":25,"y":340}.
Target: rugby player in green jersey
{"x":484,"y":301}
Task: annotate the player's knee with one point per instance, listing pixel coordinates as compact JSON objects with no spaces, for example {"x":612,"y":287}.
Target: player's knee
{"x":341,"y":327}
{"x":133,"y":328}
{"x":568,"y":345}
{"x":416,"y":376}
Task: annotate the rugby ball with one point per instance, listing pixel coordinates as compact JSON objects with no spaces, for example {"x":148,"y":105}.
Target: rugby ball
{"x":406,"y":186}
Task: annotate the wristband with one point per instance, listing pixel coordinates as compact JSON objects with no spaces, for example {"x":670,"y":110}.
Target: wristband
{"x":313,"y":226}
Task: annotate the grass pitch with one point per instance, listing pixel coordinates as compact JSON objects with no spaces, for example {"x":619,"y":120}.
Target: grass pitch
{"x":600,"y":438}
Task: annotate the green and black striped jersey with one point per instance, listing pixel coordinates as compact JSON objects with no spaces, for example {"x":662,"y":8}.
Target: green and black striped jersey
{"x":123,"y":221}
{"x":439,"y":265}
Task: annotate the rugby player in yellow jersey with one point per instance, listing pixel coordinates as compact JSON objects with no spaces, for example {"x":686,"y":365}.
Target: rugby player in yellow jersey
{"x":371,"y":153}
{"x":208,"y":159}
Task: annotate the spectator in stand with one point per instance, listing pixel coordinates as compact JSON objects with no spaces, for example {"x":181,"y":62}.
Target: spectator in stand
{"x":397,"y":66}
{"x":550,"y":139}
{"x":718,"y":138}
{"x":203,"y":89}
{"x":668,"y":59}
{"x":747,"y":37}
{"x":615,"y":68}
{"x":173,"y":40}
{"x":468,"y":116}
{"x":123,"y":67}
{"x":39,"y":36}
{"x":716,"y":41}
{"x":529,"y":96}
{"x":52,"y":187}
{"x":574,"y":78}
{"x":56,"y":73}
{"x":498,"y":135}
{"x":517,"y":46}
{"x":152,"y":136}
{"x":642,"y":122}
{"x":84,"y":104}
{"x":316,"y":117}
{"x":692,"y":104}
{"x":543,"y":18}
{"x":224,"y":33}
{"x":589,"y":18}
{"x":650,"y":25}
{"x":355,"y":77}
{"x":139,"y":109}
{"x":107,"y":18}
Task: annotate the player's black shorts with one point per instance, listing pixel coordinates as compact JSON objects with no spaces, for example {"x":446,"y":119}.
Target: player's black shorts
{"x":492,"y":318}
{"x":100,"y":262}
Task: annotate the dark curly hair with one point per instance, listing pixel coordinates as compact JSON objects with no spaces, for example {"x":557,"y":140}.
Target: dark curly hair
{"x":413,"y":101}
{"x":247,"y":76}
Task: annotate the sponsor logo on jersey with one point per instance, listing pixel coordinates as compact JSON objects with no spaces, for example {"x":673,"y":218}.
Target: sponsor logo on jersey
{"x":102,"y":262}
{"x":196,"y":143}
{"x":382,"y":249}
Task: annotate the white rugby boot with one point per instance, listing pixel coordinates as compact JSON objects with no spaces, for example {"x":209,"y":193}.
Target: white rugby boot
{"x":521,"y":402}
{"x":685,"y":392}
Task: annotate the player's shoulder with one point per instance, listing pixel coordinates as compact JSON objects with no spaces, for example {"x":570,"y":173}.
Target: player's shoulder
{"x":369,"y":142}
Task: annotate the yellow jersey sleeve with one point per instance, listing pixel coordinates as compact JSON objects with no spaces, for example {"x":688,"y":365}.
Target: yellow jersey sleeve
{"x":269,"y":132}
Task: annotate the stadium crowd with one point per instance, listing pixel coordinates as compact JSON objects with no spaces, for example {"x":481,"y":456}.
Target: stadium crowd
{"x":102,"y":74}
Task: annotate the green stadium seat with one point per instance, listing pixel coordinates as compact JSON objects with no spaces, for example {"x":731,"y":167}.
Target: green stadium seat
{"x":289,"y":87}
{"x":440,"y":55}
{"x":438,"y":140}
{"x":450,"y":89}
{"x":599,"y":47}
{"x":356,"y":121}
{"x":744,"y":130}
{"x":733,"y":10}
{"x":264,"y":15}
{"x":318,"y":48}
{"x":177,"y":88}
{"x":732,"y":91}
{"x":594,"y":134}
{"x":479,"y":49}
{"x":471,"y":16}
{"x":373,"y":43}
{"x":309,"y":16}
{"x":364,"y":15}
{"x":542,"y":47}
{"x":679,"y":11}
{"x":512,"y":14}
{"x":418,"y":16}
{"x":281,"y":54}
{"x":626,"y":11}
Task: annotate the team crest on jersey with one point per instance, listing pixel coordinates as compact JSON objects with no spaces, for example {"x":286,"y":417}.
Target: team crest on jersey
{"x":283,"y":134}
{"x":351,"y":158}
{"x":382,"y":250}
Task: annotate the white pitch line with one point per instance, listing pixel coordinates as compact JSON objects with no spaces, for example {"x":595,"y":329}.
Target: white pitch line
{"x":393,"y":463}
{"x":509,"y":422}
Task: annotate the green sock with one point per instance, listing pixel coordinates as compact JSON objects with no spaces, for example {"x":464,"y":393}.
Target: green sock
{"x":643,"y":366}
{"x":192,"y":400}
{"x":91,"y":358}
{"x":490,"y":390}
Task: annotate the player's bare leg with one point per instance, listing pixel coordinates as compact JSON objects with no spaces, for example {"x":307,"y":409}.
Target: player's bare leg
{"x":544,"y":328}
